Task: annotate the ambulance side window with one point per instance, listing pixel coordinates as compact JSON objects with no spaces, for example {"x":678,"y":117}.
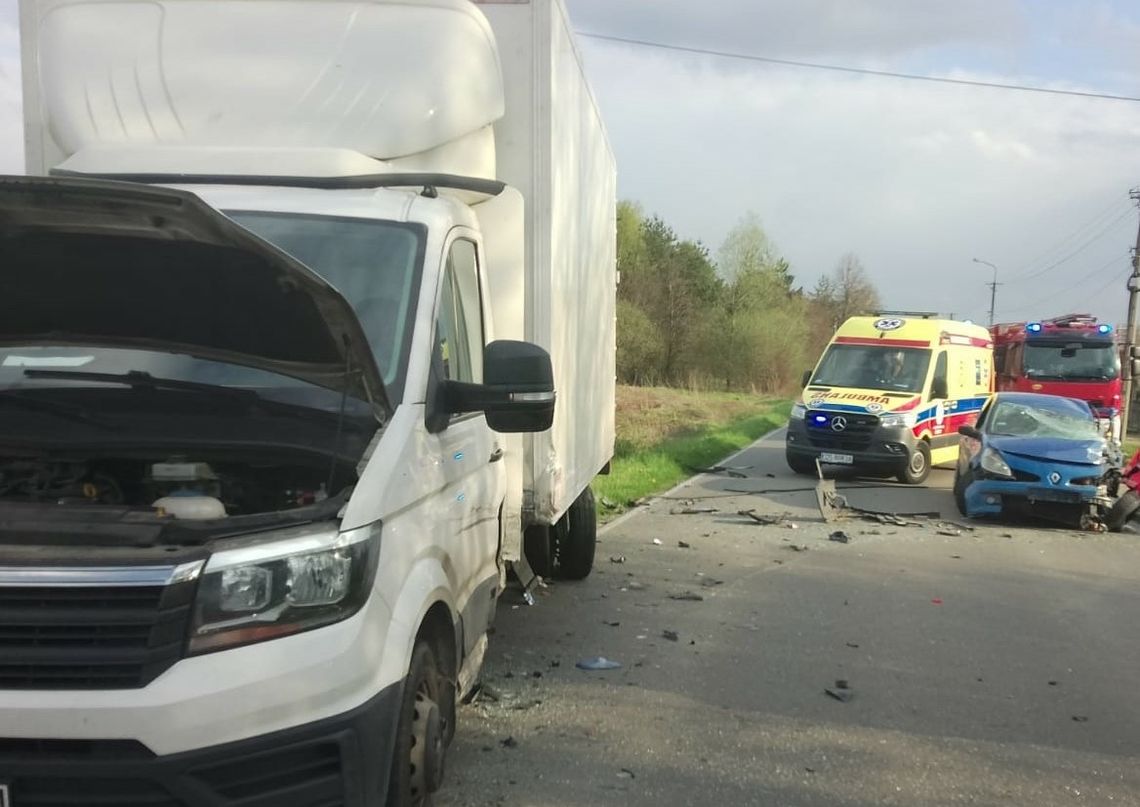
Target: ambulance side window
{"x":941,"y":380}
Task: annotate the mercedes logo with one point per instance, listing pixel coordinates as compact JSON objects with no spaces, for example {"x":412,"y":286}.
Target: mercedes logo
{"x":838,"y":423}
{"x":1055,"y":478}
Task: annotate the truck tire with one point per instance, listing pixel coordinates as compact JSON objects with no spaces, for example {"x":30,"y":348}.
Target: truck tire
{"x":420,"y":748}
{"x":576,"y":539}
{"x":538,"y":545}
{"x":1122,"y":509}
{"x":804,"y":466}
{"x":917,"y":466}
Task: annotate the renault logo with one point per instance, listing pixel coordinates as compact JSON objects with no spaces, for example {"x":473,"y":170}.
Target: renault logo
{"x":838,"y":423}
{"x":1055,"y":478}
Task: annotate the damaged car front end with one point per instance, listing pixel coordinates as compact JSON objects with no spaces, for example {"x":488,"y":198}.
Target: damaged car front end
{"x":1036,"y":456}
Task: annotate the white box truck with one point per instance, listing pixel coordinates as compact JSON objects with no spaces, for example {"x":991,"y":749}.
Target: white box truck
{"x":307,"y":331}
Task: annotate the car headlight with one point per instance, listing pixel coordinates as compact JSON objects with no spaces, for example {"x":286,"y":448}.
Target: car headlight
{"x":993,"y":463}
{"x":798,"y":411}
{"x":287,"y":582}
{"x":892,"y":421}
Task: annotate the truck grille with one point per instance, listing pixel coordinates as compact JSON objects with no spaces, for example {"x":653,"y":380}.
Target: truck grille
{"x":80,"y":637}
{"x":854,"y":436}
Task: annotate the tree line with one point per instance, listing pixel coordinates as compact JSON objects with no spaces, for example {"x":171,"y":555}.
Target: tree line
{"x":736,"y":322}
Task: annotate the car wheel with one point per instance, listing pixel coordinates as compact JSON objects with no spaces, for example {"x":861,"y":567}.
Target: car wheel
{"x":805,"y":466}
{"x":960,"y":484}
{"x":917,"y":466}
{"x":418,"y":756}
{"x":576,"y":538}
{"x":1122,"y":509}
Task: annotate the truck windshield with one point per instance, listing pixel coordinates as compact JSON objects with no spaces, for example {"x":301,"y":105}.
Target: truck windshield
{"x":375,"y":264}
{"x":1072,"y":362}
{"x":873,"y":367}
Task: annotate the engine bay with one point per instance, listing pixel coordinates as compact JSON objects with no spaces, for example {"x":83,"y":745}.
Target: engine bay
{"x":184,"y":486}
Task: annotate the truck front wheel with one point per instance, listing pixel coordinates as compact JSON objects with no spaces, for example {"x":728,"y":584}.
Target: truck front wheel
{"x":575,"y":538}
{"x":417,"y":759}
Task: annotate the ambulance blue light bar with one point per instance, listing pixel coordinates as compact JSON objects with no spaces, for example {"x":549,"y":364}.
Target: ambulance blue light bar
{"x":1104,"y":329}
{"x":1033,"y":327}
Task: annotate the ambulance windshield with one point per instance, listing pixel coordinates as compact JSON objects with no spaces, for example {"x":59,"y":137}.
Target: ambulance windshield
{"x":873,"y":367}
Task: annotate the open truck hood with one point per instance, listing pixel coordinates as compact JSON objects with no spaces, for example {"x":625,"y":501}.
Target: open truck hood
{"x":114,"y":264}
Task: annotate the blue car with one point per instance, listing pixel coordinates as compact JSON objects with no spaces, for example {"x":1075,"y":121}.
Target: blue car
{"x":1029,"y":455}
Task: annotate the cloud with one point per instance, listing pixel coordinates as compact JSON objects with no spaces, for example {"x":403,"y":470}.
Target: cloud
{"x":915,"y":178}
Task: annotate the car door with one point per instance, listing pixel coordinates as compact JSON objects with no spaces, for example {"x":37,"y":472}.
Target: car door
{"x":469,"y":451}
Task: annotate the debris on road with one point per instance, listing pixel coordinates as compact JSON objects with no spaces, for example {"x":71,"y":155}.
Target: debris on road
{"x":671,"y":635}
{"x":684,"y":545}
{"x":692,"y":511}
{"x":509,"y":742}
{"x":687,"y":596}
{"x":950,"y":533}
{"x":711,"y":582}
{"x":1080,"y":718}
{"x":796,"y":547}
{"x":735,"y":472}
{"x":763,"y":520}
{"x":936,"y":601}
{"x":840,"y":692}
{"x":657,"y":542}
{"x":626,"y":773}
{"x":839,"y":537}
{"x":833,"y":506}
{"x":597,"y":663}
{"x":611,"y":624}
{"x":791,"y":525}
{"x":853,"y":644}
{"x":617,"y":558}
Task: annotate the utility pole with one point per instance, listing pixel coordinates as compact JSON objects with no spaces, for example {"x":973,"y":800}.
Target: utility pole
{"x":1130,"y":335}
{"x":993,"y":287}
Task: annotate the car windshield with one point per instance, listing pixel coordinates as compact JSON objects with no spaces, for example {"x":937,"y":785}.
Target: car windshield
{"x":1072,"y":362}
{"x":1042,"y":419}
{"x":374,"y":264}
{"x":873,"y":367}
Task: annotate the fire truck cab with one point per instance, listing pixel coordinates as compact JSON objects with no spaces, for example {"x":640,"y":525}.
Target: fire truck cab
{"x":1075,"y":356}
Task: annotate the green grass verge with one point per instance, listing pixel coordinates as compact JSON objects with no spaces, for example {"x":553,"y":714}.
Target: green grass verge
{"x":642,"y":470}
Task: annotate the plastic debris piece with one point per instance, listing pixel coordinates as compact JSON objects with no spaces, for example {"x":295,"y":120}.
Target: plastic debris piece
{"x":710,"y":582}
{"x":796,"y":547}
{"x":509,"y":742}
{"x":841,"y":683}
{"x":687,"y":596}
{"x":1080,"y":718}
{"x":617,"y":559}
{"x":853,"y":644}
{"x":839,"y":537}
{"x":936,"y":601}
{"x":636,"y":586}
{"x":692,"y":511}
{"x":626,"y":773}
{"x":597,"y":663}
{"x":791,"y":525}
{"x":612,"y":624}
{"x":528,"y":598}
{"x":671,"y":635}
{"x":767,"y":521}
{"x":950,"y":533}
{"x":684,"y":545}
{"x":1052,"y":683}
{"x":841,"y":695}
{"x":657,"y":542}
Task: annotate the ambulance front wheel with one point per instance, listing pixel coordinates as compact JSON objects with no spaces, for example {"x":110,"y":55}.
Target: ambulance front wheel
{"x":805,"y":466}
{"x":917,"y":467}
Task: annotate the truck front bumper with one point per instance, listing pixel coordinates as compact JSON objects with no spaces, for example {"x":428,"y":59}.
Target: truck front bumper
{"x":343,"y":760}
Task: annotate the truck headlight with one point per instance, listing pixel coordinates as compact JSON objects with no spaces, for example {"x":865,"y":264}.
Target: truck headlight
{"x":284,"y":583}
{"x":993,"y":463}
{"x":798,"y":411}
{"x":892,"y":421}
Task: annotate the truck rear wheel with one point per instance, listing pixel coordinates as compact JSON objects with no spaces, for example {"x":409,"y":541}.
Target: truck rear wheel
{"x":421,"y":744}
{"x":917,"y":466}
{"x":575,"y":539}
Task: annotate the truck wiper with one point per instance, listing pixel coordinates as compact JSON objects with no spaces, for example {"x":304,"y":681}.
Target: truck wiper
{"x":64,"y":410}
{"x":139,"y":379}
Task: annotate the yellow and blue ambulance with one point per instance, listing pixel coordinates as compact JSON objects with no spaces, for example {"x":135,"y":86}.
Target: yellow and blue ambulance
{"x":889,"y":395}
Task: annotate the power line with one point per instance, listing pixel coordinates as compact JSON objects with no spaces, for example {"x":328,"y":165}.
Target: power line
{"x":1069,"y":290}
{"x":864,"y":71}
{"x":1078,"y":250}
{"x":1071,"y":237}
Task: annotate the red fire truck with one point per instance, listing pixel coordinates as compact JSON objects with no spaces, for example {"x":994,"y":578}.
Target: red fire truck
{"x":1074,"y":355}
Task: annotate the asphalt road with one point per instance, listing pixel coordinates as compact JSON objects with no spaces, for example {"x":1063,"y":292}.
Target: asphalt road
{"x":994,"y":667}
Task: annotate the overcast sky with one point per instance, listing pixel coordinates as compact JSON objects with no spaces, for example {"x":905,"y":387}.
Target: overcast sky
{"x":915,"y":178}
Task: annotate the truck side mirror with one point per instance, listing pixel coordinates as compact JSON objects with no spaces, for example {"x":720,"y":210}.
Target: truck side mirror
{"x":517,"y":393}
{"x":806,"y":378}
{"x":939,"y":390}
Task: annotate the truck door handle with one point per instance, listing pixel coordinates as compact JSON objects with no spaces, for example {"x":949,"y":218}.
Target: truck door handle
{"x":496,"y":455}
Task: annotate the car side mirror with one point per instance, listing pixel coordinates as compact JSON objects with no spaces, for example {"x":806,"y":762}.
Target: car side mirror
{"x":970,"y":431}
{"x":939,"y":390}
{"x":806,"y":378}
{"x":517,"y":393}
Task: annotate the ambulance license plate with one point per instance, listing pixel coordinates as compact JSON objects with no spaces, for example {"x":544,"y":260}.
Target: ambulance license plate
{"x":836,"y":459}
